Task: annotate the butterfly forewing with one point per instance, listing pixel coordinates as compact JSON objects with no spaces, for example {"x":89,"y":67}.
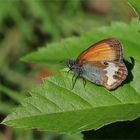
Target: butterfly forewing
{"x":106,"y":50}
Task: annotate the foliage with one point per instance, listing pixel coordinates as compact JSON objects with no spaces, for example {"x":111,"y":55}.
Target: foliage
{"x":24,"y":30}
{"x":55,"y":102}
{"x":136,"y":5}
{"x":71,"y":47}
{"x":21,"y":31}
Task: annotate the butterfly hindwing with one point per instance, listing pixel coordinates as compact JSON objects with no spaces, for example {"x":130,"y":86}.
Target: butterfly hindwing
{"x":113,"y":75}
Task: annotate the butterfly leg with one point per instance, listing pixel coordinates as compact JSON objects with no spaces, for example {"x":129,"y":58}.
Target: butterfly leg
{"x":74,"y":79}
{"x":84,"y":82}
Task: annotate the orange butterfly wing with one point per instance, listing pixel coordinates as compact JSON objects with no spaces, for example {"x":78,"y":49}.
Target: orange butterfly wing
{"x":105,"y":50}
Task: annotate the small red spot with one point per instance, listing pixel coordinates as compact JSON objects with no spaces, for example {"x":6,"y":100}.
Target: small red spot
{"x":43,"y":74}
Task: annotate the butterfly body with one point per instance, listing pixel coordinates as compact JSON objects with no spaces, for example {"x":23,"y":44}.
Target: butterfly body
{"x":102,"y":64}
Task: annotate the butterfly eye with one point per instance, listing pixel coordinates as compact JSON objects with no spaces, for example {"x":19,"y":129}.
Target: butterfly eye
{"x":117,"y":72}
{"x":105,"y":63}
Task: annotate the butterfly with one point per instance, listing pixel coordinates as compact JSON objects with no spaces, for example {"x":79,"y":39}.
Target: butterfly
{"x":102,"y":64}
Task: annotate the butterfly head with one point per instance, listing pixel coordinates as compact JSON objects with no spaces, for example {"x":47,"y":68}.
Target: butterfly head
{"x":73,"y":66}
{"x":70,"y":64}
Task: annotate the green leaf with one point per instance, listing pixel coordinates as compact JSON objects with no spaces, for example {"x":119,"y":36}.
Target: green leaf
{"x":70,"y":48}
{"x":136,"y":5}
{"x":53,"y":106}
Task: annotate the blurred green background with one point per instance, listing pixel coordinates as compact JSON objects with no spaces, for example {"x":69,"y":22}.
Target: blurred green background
{"x":25,"y":26}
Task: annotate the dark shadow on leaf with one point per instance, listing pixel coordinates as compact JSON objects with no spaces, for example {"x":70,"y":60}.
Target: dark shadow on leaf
{"x":130,"y":66}
{"x":128,"y":130}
